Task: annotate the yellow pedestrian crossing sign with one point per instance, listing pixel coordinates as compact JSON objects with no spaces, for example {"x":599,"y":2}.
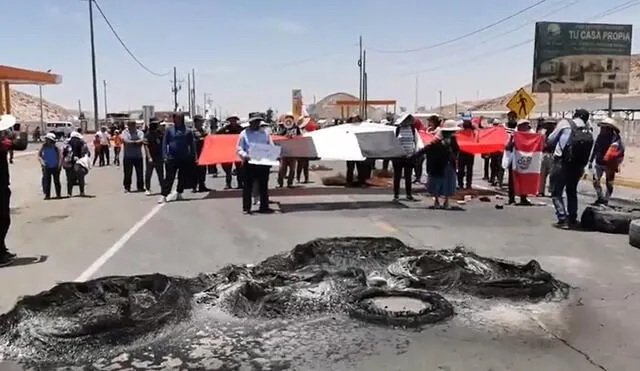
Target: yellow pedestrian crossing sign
{"x":521,"y":103}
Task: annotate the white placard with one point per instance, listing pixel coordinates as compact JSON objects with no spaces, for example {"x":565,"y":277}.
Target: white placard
{"x":264,"y":154}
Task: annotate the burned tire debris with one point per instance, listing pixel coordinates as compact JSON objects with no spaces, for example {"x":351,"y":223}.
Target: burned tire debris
{"x":608,"y":219}
{"x":320,"y":278}
{"x":437,"y":308}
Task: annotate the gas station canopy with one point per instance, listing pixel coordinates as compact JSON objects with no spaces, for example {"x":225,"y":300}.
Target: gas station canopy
{"x":13,"y":75}
{"x":20,"y":76}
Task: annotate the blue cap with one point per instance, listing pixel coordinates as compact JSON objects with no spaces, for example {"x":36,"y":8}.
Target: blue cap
{"x":466,"y":116}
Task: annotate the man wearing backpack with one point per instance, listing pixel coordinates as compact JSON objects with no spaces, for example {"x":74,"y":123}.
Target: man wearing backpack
{"x":572,"y":142}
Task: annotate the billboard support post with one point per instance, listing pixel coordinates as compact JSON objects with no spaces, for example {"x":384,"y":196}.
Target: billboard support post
{"x":550,"y":104}
{"x":610,"y":104}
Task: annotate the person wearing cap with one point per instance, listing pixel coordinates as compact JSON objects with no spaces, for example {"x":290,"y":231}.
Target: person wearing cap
{"x":153,"y":154}
{"x":200,"y":174}
{"x":521,"y":126}
{"x":50,"y":157}
{"x":441,"y":157}
{"x":179,"y":155}
{"x":466,"y":160}
{"x":7,"y":143}
{"x":232,"y":127}
{"x":608,"y":153}
{"x":254,"y":134}
{"x":289,"y":129}
{"x":566,"y":172}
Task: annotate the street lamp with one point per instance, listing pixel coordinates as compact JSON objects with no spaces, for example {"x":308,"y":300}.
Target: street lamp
{"x":42,"y":107}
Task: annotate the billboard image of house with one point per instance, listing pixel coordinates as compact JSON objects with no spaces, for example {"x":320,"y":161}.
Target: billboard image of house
{"x":581,"y":58}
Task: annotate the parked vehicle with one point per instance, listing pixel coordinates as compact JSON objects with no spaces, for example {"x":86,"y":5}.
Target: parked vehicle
{"x":61,"y":129}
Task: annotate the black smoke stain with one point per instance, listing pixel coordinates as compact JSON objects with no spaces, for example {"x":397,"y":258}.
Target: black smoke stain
{"x":311,"y":304}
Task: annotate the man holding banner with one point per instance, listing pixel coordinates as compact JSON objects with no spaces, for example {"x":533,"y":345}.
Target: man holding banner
{"x":256,"y":170}
{"x":526,"y":161}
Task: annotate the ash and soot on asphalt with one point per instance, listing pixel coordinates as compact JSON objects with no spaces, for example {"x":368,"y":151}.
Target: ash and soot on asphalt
{"x":331,"y":299}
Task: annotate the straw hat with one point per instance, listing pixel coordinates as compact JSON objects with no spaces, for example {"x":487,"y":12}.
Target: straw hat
{"x":449,"y":125}
{"x":7,"y":122}
{"x":611,"y":122}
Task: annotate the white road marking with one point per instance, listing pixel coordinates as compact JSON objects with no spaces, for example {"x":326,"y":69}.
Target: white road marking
{"x":89,"y":272}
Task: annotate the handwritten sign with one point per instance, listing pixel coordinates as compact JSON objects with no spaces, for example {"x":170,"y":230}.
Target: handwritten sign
{"x":264,"y":154}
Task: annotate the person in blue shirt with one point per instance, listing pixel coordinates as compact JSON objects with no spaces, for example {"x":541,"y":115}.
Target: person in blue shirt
{"x":254,"y":134}
{"x":179,"y":154}
{"x":50,"y":156}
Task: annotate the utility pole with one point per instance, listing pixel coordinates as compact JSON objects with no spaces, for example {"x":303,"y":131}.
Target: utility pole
{"x":416,"y":93}
{"x":79,"y":107}
{"x":93,"y":68}
{"x":104,"y":87}
{"x":361,"y":78}
{"x":440,"y":93}
{"x":192,"y":93}
{"x":175,"y":88}
{"x":41,"y":110}
{"x":365,"y":92}
{"x":189,"y":93}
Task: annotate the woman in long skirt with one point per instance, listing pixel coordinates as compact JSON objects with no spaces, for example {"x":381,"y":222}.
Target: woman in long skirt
{"x":441,"y":156}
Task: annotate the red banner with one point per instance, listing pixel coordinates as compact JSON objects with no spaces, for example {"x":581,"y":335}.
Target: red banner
{"x":526,"y":163}
{"x":478,"y":141}
{"x":222,"y":149}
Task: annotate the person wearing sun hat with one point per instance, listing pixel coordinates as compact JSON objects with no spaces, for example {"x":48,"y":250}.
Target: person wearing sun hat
{"x":442,"y":155}
{"x":521,"y":126}
{"x":17,"y":143}
{"x":232,"y":127}
{"x":50,"y":157}
{"x":608,"y":153}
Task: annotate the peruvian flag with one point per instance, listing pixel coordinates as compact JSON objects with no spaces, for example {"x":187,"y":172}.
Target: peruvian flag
{"x":527,"y":161}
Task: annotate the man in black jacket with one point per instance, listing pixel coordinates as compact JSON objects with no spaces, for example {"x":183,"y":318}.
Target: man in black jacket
{"x":200,"y":173}
{"x":14,"y":143}
{"x":233,"y":127}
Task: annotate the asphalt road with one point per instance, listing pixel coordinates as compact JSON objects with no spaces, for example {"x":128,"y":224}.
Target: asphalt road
{"x":121,"y":234}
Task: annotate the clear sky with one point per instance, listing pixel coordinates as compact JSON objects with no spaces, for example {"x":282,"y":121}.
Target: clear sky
{"x":249,"y":54}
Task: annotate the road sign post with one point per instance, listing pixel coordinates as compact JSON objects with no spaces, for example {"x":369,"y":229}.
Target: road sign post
{"x":522,"y":103}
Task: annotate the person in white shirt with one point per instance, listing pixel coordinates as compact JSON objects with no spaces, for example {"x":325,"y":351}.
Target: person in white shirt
{"x":105,"y":146}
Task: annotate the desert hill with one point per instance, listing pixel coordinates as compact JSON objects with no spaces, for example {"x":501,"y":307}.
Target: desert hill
{"x":563,"y":100}
{"x":26,"y":108}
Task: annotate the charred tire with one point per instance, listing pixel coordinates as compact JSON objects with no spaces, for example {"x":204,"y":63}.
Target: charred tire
{"x":608,"y":219}
{"x":634,"y":233}
{"x":439,"y":308}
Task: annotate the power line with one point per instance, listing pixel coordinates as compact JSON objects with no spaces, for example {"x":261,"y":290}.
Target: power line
{"x":144,"y":67}
{"x":512,"y":30}
{"x":608,"y":12}
{"x":461,"y":37}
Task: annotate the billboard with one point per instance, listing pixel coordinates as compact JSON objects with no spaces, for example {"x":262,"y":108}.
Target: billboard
{"x":581,"y":58}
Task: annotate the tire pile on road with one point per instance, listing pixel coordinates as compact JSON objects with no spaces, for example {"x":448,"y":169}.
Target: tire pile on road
{"x":75,"y":321}
{"x":613,"y":219}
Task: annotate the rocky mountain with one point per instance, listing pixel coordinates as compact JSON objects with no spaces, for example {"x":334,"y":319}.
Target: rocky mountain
{"x":26,"y":108}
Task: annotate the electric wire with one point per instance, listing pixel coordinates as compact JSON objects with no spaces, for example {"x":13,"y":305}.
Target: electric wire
{"x":608,"y":12}
{"x":461,"y":37}
{"x":124,"y":45}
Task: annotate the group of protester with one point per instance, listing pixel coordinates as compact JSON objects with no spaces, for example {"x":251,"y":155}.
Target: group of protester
{"x":569,"y":149}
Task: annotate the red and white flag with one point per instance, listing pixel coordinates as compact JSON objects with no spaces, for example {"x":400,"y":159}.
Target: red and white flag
{"x":527,"y":161}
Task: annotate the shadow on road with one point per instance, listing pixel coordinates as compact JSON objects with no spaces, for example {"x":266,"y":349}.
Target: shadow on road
{"x":302,"y":191}
{"x":28,"y":260}
{"x":334,"y":206}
